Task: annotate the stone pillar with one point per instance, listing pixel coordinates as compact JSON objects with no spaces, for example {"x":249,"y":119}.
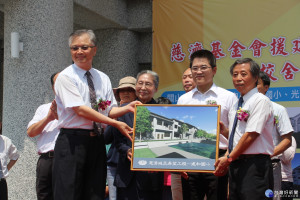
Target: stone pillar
{"x":117,"y":53}
{"x":44,"y":27}
{"x":1,"y":75}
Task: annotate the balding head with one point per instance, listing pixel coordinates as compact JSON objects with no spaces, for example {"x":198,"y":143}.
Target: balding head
{"x":187,"y":80}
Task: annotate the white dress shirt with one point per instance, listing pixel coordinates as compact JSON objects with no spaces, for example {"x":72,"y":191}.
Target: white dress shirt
{"x":72,"y":90}
{"x":8,"y":152}
{"x":220,"y":95}
{"x":283,"y":126}
{"x":46,"y":139}
{"x":260,"y":120}
{"x":286,"y":162}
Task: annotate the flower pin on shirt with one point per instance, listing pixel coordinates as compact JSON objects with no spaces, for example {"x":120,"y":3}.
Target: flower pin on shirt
{"x":242,"y":114}
{"x":102,"y":105}
{"x":276,"y":121}
{"x":211,"y":102}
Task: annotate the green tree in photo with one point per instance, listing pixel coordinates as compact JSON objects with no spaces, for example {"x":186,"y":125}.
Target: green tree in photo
{"x":199,"y":133}
{"x":202,"y":133}
{"x":143,"y":123}
{"x":183,"y":129}
{"x":212,"y":136}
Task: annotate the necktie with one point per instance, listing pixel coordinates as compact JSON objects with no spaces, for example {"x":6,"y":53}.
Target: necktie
{"x":230,"y":145}
{"x":97,"y":126}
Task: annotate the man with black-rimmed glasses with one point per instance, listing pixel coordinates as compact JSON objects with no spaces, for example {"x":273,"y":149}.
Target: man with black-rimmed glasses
{"x":203,"y":67}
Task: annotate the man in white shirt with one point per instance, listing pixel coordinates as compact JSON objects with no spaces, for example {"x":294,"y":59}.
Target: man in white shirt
{"x":44,"y":125}
{"x":8,"y":157}
{"x":79,"y":168}
{"x":250,"y":146}
{"x":203,"y":68}
{"x":282,"y":133}
{"x":286,"y":168}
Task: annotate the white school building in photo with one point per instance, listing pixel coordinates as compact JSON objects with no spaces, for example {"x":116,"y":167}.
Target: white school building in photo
{"x":165,"y":128}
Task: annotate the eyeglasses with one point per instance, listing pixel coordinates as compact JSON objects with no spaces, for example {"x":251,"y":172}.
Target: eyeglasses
{"x":202,"y":68}
{"x":84,"y":48}
{"x":147,"y":84}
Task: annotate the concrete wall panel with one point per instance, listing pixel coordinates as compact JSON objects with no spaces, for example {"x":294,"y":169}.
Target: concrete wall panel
{"x":44,"y":27}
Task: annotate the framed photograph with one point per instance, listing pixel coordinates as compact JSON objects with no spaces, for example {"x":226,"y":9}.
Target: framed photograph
{"x":175,"y":137}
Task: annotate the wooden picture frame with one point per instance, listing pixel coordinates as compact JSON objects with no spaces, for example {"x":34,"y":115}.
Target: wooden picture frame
{"x":181,"y":138}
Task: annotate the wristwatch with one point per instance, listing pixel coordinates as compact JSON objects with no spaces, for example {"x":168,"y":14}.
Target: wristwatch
{"x":229,"y":159}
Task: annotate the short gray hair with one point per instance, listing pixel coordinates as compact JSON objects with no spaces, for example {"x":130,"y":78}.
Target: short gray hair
{"x":254,"y":67}
{"x":81,"y":32}
{"x":154,"y":74}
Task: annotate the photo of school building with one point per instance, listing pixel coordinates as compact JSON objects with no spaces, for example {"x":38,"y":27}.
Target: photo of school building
{"x":165,"y":128}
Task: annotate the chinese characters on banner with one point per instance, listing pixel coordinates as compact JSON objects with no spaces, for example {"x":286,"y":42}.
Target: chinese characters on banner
{"x":277,"y":48}
{"x":274,"y":94}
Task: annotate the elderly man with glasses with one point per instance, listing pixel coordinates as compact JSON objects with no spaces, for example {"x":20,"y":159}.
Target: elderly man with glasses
{"x":85,"y":99}
{"x":251,"y":123}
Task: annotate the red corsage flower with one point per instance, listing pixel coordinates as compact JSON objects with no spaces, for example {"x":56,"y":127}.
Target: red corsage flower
{"x":242,"y":114}
{"x":102,"y":105}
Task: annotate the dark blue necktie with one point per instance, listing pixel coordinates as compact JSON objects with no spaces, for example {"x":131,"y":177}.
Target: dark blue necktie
{"x":230,"y":144}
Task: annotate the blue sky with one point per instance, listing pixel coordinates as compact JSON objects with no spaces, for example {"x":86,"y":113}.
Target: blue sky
{"x":202,"y":117}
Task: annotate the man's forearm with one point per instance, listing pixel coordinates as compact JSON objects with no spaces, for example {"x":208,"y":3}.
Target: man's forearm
{"x":224,"y":130}
{"x":116,"y":112}
{"x":11,"y":164}
{"x":37,"y":128}
{"x":246,"y":140}
{"x":285,"y":143}
{"x":90,"y":114}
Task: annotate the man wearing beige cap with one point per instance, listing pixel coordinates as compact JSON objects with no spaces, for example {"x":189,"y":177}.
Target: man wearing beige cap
{"x":124,"y":93}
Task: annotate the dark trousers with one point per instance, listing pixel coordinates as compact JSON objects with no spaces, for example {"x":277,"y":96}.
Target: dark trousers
{"x":201,"y":184}
{"x":143,"y":186}
{"x":3,"y":189}
{"x":132,"y":192}
{"x":249,"y":178}
{"x":79,"y":167}
{"x":287,"y":186}
{"x":44,"y":178}
{"x":167,"y":193}
{"x":185,"y":189}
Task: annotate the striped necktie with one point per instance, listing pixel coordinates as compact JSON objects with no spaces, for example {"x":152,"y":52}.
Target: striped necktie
{"x":97,"y":126}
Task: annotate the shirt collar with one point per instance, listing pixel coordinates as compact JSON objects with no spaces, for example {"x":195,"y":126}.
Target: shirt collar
{"x":213,"y":88}
{"x":249,"y":94}
{"x":80,"y":71}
